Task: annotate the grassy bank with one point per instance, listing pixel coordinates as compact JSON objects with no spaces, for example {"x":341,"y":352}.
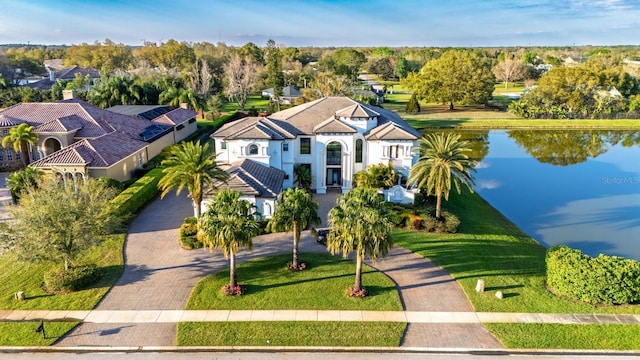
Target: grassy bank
{"x":474,"y":120}
{"x":488,"y":246}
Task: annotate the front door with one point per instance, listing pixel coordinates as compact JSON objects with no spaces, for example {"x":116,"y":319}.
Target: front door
{"x":334,"y":177}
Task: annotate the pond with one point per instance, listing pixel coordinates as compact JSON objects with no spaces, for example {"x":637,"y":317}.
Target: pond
{"x":577,"y":188}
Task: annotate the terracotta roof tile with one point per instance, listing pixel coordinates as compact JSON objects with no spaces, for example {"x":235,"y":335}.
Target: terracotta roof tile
{"x":332,"y":125}
{"x":9,"y":121}
{"x":175,"y":117}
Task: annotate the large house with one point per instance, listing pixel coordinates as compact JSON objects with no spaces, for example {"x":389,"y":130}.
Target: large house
{"x":78,"y":140}
{"x":335,"y":137}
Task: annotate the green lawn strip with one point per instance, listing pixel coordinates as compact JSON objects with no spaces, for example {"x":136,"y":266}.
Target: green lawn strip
{"x":488,"y":246}
{"x":489,"y":120}
{"x":290,"y":333}
{"x":24,"y":334}
{"x":271,"y":286}
{"x":253,"y":101}
{"x":28,"y":277}
{"x":561,"y":336}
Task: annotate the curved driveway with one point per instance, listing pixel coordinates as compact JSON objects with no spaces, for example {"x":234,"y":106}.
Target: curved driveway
{"x":159,"y":275}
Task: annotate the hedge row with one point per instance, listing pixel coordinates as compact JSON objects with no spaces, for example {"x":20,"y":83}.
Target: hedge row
{"x":610,"y":280}
{"x":139,"y":193}
{"x":74,"y":279}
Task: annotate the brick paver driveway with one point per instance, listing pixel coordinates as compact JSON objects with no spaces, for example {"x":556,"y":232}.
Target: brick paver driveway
{"x":159,"y":275}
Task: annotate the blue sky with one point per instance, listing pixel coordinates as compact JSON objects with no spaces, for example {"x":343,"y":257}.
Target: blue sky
{"x":324,"y":23}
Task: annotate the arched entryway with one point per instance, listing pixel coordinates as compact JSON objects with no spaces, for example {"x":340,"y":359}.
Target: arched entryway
{"x":334,"y":165}
{"x":51,"y":145}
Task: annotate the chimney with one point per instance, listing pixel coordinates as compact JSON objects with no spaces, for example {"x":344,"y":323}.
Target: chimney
{"x":52,"y":75}
{"x":68,"y":94}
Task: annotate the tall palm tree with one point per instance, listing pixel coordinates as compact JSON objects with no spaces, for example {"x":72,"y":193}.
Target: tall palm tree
{"x":193,"y":166}
{"x":443,"y":160}
{"x":360,"y":223}
{"x":20,"y":138}
{"x":303,"y":177}
{"x":228,"y":225}
{"x":21,"y":181}
{"x":295,"y":211}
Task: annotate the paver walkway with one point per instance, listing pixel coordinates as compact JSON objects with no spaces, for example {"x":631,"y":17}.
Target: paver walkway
{"x":159,"y":275}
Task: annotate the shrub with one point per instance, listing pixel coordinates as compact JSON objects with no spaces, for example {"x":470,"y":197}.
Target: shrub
{"x":360,"y":294}
{"x":188,"y":232}
{"x":604,"y":279}
{"x":74,"y":279}
{"x":139,"y":193}
{"x":235,"y":291}
{"x":413,"y":106}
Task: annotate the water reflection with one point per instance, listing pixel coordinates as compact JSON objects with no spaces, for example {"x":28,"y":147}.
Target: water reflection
{"x":580,"y":188}
{"x":570,"y":147}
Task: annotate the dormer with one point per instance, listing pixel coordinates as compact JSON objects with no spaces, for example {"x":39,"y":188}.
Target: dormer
{"x":359,"y":117}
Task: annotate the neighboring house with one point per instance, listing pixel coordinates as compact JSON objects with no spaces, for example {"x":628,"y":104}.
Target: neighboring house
{"x":289,"y":94}
{"x":259,"y":184}
{"x":67,"y":74}
{"x":77,"y":139}
{"x":335,"y":137}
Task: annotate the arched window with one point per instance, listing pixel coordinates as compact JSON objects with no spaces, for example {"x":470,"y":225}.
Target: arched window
{"x":253,"y":149}
{"x":359,"y":150}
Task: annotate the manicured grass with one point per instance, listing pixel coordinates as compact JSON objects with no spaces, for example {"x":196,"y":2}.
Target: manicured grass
{"x":23,"y":333}
{"x":19,"y":276}
{"x":255,"y":101}
{"x":488,"y":246}
{"x":559,"y":336}
{"x":271,"y":286}
{"x":290,"y":334}
{"x":490,"y":120}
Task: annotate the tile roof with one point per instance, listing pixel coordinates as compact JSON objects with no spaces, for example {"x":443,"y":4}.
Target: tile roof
{"x":64,"y":74}
{"x":9,"y":121}
{"x":357,"y":111}
{"x":103,"y":151}
{"x":175,"y":117}
{"x":148,"y":112}
{"x":313,"y":117}
{"x":252,"y":178}
{"x":332,"y":125}
{"x":256,"y":128}
{"x":390,"y":131}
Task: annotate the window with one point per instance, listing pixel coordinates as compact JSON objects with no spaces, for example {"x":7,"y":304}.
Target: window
{"x":359,"y":150}
{"x":1,"y":156}
{"x":223,"y":145}
{"x":334,"y":153}
{"x":180,"y":127}
{"x":253,"y":149}
{"x":9,"y":155}
{"x":192,"y":120}
{"x":305,"y":146}
{"x":139,"y":160}
{"x":285,"y":147}
{"x":5,"y":132}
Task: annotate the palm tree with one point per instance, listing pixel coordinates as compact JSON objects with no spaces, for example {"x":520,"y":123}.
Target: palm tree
{"x":360,"y":222}
{"x":193,"y":166}
{"x":303,"y":178}
{"x":21,"y":181}
{"x":228,"y":225}
{"x":295,"y":211}
{"x":376,"y":176}
{"x":20,"y":137}
{"x":443,"y":161}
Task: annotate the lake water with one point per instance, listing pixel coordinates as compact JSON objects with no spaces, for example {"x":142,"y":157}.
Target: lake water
{"x":578,"y":188}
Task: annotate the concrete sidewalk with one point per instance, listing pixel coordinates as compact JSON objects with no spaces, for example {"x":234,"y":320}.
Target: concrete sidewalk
{"x":418,"y":317}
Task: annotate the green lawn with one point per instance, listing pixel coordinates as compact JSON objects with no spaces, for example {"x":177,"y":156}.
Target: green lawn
{"x":559,"y":336}
{"x":488,"y":246}
{"x":253,"y":101}
{"x":289,"y":333}
{"x":271,"y":286}
{"x":23,"y":333}
{"x":19,"y":276}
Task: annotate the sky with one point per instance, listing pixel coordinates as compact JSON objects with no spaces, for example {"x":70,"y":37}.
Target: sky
{"x":353,"y":23}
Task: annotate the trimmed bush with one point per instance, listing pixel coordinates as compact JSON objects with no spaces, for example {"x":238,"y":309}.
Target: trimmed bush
{"x":610,"y":280}
{"x":413,"y":106}
{"x":188,"y":232}
{"x":74,"y":279}
{"x":139,"y":193}
{"x":420,"y":219}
